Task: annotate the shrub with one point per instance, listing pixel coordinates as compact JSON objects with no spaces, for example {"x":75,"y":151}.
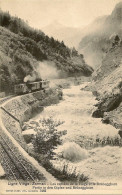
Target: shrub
{"x":65,"y":175}
{"x":47,"y":138}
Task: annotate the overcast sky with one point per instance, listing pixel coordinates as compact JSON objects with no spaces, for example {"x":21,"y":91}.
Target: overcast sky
{"x":75,"y":13}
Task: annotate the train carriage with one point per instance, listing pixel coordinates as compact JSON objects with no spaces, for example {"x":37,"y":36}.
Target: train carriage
{"x":45,"y":84}
{"x":34,"y":86}
{"x":21,"y":89}
{"x":30,"y":87}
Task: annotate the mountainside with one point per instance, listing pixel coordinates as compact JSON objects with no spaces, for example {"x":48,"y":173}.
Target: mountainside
{"x":71,"y":36}
{"x":107,"y":86}
{"x":111,"y":60}
{"x":26,"y":51}
{"x":107,"y":78}
{"x":97,"y":41}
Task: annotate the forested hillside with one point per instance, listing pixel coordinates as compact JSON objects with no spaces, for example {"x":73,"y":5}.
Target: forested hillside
{"x":22,"y":48}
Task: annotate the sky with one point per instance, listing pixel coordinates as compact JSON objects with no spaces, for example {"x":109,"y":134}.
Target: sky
{"x":73,"y":13}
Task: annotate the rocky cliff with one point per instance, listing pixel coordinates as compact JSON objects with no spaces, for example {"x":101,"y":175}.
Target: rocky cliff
{"x":97,"y":41}
{"x":107,"y":86}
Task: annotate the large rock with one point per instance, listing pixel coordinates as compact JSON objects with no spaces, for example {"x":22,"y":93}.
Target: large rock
{"x":114,"y":117}
{"x":97,"y":114}
{"x":28,"y":135}
{"x":120,"y":133}
{"x":107,"y":104}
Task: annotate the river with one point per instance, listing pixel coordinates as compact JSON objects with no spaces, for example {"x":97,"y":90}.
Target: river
{"x":76,"y":111}
{"x":84,"y":145}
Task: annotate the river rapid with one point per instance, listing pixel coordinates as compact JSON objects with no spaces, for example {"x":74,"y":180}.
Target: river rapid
{"x":76,"y":111}
{"x":84,"y":146}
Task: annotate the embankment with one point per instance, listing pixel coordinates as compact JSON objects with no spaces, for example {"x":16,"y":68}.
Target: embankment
{"x":21,"y":108}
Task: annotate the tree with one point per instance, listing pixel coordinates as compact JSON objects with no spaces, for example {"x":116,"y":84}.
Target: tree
{"x":5,"y":19}
{"x":5,"y":80}
{"x":74,"y":52}
{"x":47,"y":138}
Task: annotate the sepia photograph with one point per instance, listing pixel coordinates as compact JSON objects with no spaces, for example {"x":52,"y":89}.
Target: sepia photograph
{"x":61,"y":97}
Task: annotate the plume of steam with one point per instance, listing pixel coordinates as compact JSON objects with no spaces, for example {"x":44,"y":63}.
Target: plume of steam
{"x":47,"y":70}
{"x":33,"y":77}
{"x":29,"y":78}
{"x":44,"y":70}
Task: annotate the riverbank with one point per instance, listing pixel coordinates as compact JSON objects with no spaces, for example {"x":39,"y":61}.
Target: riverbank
{"x":109,"y":93}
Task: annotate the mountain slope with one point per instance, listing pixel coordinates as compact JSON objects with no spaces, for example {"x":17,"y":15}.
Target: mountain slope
{"x":71,"y":36}
{"x":23,"y":49}
{"x":97,"y":42}
{"x":111,"y":61}
{"x":108,"y":87}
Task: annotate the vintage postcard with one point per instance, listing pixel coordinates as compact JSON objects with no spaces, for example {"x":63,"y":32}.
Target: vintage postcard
{"x":60,"y":97}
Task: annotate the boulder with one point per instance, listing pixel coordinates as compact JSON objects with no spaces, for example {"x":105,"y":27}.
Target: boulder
{"x":120,"y":133}
{"x":98,"y":114}
{"x":28,"y":135}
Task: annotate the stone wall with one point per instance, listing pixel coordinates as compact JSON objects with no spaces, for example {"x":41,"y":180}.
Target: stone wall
{"x":25,"y":107}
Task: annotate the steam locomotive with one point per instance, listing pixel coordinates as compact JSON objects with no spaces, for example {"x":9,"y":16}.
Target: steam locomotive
{"x":28,"y":87}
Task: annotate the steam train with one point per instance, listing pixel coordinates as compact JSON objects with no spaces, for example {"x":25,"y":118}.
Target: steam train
{"x":28,"y":87}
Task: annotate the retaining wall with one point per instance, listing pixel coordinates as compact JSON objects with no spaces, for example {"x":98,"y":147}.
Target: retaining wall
{"x":23,"y":108}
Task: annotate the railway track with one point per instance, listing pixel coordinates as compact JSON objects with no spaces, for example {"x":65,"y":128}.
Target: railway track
{"x":17,"y":164}
{"x":15,"y":168}
{"x":9,"y":167}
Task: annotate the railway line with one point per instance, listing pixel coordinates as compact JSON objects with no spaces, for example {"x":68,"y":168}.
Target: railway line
{"x":15,"y":166}
{"x":9,"y":167}
{"x":16,"y":162}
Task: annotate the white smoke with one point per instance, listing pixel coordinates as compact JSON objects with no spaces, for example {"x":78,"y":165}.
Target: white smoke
{"x":44,"y":70}
{"x":47,"y":70}
{"x":30,"y":78}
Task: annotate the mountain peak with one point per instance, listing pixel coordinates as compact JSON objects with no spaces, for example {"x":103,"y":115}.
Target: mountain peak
{"x":119,"y":5}
{"x":117,"y":12}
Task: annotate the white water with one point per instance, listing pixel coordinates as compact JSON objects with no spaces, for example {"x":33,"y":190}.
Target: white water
{"x":75,"y":110}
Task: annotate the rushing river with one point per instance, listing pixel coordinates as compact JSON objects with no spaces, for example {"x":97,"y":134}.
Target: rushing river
{"x":82,"y":132}
{"x":75,"y":110}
